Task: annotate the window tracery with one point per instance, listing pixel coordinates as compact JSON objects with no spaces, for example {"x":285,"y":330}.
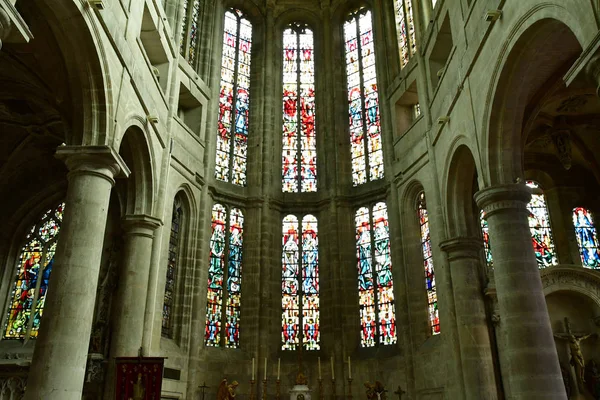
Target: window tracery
{"x":174,"y":243}
{"x":405,"y":30}
{"x":188,"y":45}
{"x":430,"y":284}
{"x":539,"y":224}
{"x":34,"y":267}
{"x":234,"y":100}
{"x":587,"y":238}
{"x":299,"y":159}
{"x":363,"y":98}
{"x":225,"y":266}
{"x":375,"y":281}
{"x":300,"y":284}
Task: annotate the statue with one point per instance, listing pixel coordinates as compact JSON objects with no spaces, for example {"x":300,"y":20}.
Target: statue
{"x":139,"y":391}
{"x":226,"y":391}
{"x":575,"y":347}
{"x":301,"y":379}
{"x":375,"y":391}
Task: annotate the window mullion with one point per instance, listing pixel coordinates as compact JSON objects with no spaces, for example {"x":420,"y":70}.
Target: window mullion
{"x":298,"y":113}
{"x":362,"y":99}
{"x":224,"y":286}
{"x":375,"y":277}
{"x":300,"y":288}
{"x":234,"y":96}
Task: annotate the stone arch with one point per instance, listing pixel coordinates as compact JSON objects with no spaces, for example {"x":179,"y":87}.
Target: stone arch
{"x":137,"y":192}
{"x":79,"y":38}
{"x":547,"y":38}
{"x":460,"y":185}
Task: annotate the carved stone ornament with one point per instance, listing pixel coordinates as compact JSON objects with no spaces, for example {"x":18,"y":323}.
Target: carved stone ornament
{"x":571,"y":278}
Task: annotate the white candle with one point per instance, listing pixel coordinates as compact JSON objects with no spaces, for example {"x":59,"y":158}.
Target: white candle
{"x":252,"y":368}
{"x":265,"y":368}
{"x":349,"y":368}
{"x":332,"y":373}
{"x":319,"y":359}
{"x":278,"y":367}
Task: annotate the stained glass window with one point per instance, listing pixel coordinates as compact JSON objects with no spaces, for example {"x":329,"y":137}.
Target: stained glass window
{"x":188,"y":45}
{"x":433,"y":3}
{"x":225,"y":250}
{"x":299,"y":158}
{"x":485,"y":234}
{"x":300,"y":284}
{"x":587,"y":239}
{"x":26,"y":303}
{"x":430,"y":286}
{"x":539,"y":224}
{"x":363,"y":99}
{"x":405,"y":29}
{"x":375,"y":283}
{"x":168,"y":304}
{"x":232,"y":128}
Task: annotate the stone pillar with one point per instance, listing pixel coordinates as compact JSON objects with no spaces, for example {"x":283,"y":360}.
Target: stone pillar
{"x":464,"y":259}
{"x":138,"y":234}
{"x":59,"y":361}
{"x":530,"y":369}
{"x":5,"y":25}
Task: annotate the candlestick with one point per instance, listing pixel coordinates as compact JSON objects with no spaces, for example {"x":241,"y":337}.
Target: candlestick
{"x":277,"y":386}
{"x":319,"y":360}
{"x":252,"y":394}
{"x":349,"y":386}
{"x":278,"y":368}
{"x":332,"y":372}
{"x":253,"y":368}
{"x":265,"y":377}
{"x":320,"y":388}
{"x":349,"y":368}
{"x":333,"y":395}
{"x":264,"y":395}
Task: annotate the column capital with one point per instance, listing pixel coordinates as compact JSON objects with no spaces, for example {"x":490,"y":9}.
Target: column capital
{"x":502,"y":197}
{"x":462,"y":247}
{"x":140,"y":225}
{"x":102,"y":161}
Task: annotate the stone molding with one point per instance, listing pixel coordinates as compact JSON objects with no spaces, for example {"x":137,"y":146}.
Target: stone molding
{"x":462,"y":247}
{"x":140,"y":225}
{"x":13,"y":28}
{"x":574,"y":278}
{"x":4,"y":25}
{"x":101,"y":161}
{"x":498,"y":198}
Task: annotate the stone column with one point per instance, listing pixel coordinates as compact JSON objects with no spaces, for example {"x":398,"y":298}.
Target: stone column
{"x":138,"y":234}
{"x":5,"y":25}
{"x":59,"y":361}
{"x":464,"y":259}
{"x":530,"y":369}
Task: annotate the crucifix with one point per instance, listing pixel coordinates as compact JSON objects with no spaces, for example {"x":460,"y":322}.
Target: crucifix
{"x":203,"y":388}
{"x":575,"y":348}
{"x":399,"y":392}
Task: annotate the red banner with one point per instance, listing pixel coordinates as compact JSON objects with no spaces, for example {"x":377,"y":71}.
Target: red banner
{"x":139,"y":378}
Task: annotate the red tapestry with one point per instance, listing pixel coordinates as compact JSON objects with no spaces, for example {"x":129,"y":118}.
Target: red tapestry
{"x":139,"y":378}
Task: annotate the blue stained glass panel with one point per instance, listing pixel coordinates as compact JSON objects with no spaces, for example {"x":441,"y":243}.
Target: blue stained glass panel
{"x":430,"y":286}
{"x":587,"y":238}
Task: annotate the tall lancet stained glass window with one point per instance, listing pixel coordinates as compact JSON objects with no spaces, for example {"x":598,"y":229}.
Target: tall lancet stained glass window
{"x":174,"y":238}
{"x":539,"y":224}
{"x":587,"y":238}
{"x":225,"y":267}
{"x":363,"y":99}
{"x":375,"y":283}
{"x":299,"y":158}
{"x":34,"y":266}
{"x":430,"y":286}
{"x":485,"y":234}
{"x":300,"y":321}
{"x":405,"y":29}
{"x":188,"y":45}
{"x":234,"y":100}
